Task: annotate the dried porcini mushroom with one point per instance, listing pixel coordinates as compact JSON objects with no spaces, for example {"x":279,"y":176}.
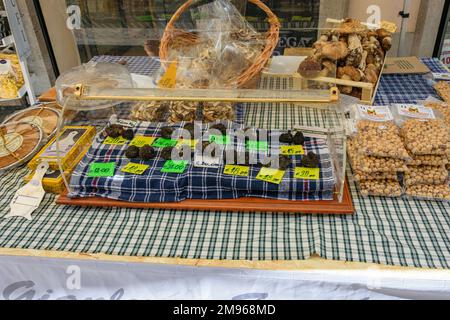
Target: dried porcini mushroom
{"x":213,"y":111}
{"x":167,"y":132}
{"x":147,"y":153}
{"x":150,"y":111}
{"x":310,"y":161}
{"x":310,"y":68}
{"x":334,"y":51}
{"x":132,"y":152}
{"x":352,"y":72}
{"x":351,"y":26}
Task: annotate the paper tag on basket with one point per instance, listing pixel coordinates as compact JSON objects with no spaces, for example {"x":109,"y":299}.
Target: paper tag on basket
{"x":175,"y":166}
{"x":28,"y":198}
{"x":375,"y":113}
{"x":164,"y":143}
{"x":441,"y":76}
{"x":292,"y":150}
{"x":119,"y":141}
{"x":240,"y":171}
{"x":415,"y":111}
{"x":307,"y":173}
{"x":135,"y":168}
{"x":271,"y":175}
{"x":102,"y":170}
{"x":169,"y":80}
{"x":140,"y":141}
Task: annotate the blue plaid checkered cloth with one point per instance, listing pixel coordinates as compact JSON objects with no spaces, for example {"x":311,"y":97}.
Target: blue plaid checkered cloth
{"x":408,"y":88}
{"x":198,"y":182}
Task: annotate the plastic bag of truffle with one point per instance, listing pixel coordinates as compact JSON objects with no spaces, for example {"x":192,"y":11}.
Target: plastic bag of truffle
{"x":380,"y":188}
{"x":422,"y":131}
{"x":426,"y":175}
{"x":429,"y":192}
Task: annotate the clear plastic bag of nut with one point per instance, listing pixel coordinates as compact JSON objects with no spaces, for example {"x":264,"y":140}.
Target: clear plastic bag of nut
{"x":377,"y":134}
{"x":429,"y":192}
{"x":371,"y":164}
{"x":380,"y":188}
{"x":422,"y":129}
{"x":427,"y":175}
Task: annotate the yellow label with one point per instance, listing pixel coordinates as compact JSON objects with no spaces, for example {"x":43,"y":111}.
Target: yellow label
{"x":140,"y":141}
{"x":307,"y":173}
{"x":271,"y":175}
{"x":169,"y":80}
{"x":135,"y":168}
{"x":240,"y":171}
{"x":190,"y":143}
{"x":292,"y":150}
{"x":120,"y":141}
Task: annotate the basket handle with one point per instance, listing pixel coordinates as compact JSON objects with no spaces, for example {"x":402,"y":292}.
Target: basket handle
{"x":164,"y":47}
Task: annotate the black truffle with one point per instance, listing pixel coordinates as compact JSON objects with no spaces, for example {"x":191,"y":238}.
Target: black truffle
{"x":310,"y":161}
{"x":202,"y":146}
{"x":299,"y":139}
{"x":283,"y":163}
{"x":166,"y":153}
{"x":167,"y":132}
{"x":128,"y":134}
{"x":132,"y":152}
{"x":219,"y":127}
{"x":287,"y":138}
{"x":114,"y":131}
{"x":147,"y":153}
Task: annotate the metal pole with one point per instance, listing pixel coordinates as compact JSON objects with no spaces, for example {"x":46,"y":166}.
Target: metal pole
{"x":404,"y":28}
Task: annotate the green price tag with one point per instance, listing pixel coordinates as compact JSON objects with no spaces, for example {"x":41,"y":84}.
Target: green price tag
{"x":292,"y":150}
{"x":120,"y":141}
{"x":102,"y":170}
{"x":174,"y":166}
{"x":140,"y":141}
{"x":271,"y":175}
{"x":240,"y":171}
{"x":135,"y":168}
{"x":307,"y":173}
{"x":257,"y":145}
{"x":223,"y":140}
{"x":164,"y":143}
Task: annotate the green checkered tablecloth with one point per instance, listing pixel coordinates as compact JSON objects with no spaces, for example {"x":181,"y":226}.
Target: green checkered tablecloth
{"x":386,"y":231}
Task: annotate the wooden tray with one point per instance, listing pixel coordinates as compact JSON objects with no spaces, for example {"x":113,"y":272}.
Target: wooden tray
{"x":233,"y":205}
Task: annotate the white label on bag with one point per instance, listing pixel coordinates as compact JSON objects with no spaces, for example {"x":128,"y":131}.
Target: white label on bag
{"x":375,"y":113}
{"x":415,"y":111}
{"x":6,"y":67}
{"x":441,"y":76}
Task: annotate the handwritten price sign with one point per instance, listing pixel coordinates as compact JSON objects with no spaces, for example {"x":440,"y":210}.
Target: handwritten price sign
{"x":102,"y":170}
{"x":307,"y":173}
{"x":271,"y":175}
{"x":120,"y":141}
{"x":174,"y":167}
{"x":135,"y":168}
{"x":240,"y":171}
{"x":292,"y":150}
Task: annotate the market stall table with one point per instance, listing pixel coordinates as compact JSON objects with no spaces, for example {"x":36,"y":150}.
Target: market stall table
{"x":386,"y":232}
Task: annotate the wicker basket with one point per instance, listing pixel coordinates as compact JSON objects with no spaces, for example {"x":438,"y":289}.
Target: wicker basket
{"x":185,"y":38}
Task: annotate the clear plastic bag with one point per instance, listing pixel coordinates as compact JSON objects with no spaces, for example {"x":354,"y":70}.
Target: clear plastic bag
{"x":425,"y":137}
{"x":226,"y":45}
{"x":425,"y":175}
{"x":429,"y":192}
{"x":381,"y":188}
{"x":371,"y":164}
